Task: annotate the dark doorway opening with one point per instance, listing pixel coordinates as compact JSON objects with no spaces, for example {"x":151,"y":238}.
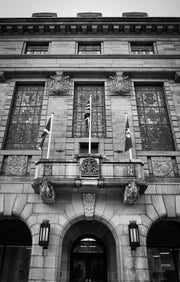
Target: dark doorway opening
{"x":88,"y":260}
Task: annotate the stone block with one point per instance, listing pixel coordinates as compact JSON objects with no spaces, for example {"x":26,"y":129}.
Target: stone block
{"x":170,"y":205}
{"x":9,"y":200}
{"x":19,"y":204}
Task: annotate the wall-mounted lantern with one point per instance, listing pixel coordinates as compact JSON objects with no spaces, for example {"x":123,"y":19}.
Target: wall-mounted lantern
{"x":44,"y":234}
{"x":134,"y":238}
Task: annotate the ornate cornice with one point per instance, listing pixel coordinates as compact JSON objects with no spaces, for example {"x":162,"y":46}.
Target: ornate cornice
{"x":14,"y":26}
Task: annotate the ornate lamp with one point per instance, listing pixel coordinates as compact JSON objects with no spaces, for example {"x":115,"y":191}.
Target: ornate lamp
{"x":134,"y":238}
{"x":44,"y":234}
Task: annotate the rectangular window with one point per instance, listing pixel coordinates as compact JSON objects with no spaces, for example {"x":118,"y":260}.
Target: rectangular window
{"x":81,"y":96}
{"x":25,"y":118}
{"x":36,"y":48}
{"x":154,"y":121}
{"x":84,"y":148}
{"x":92,"y":48}
{"x":139,"y":48}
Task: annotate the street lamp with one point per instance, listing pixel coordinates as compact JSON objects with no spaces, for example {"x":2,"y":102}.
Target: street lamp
{"x":134,"y":235}
{"x":44,"y":234}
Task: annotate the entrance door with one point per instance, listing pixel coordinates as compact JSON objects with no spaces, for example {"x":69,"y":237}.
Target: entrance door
{"x":88,"y":261}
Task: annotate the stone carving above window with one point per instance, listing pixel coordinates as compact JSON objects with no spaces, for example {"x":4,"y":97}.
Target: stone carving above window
{"x":59,"y":84}
{"x":162,"y":166}
{"x":119,"y":84}
{"x":89,"y":167}
{"x":131,"y":193}
{"x":89,"y":204}
{"x":46,"y":192}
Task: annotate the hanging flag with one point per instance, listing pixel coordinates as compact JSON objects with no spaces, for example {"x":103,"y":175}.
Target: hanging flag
{"x":128,"y":141}
{"x":87,"y":114}
{"x":46,"y":132}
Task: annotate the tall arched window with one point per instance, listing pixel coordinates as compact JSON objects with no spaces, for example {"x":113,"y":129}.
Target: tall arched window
{"x":163,"y":245}
{"x":15,"y":250}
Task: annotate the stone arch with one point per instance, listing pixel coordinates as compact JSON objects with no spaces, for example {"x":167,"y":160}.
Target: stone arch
{"x":97,"y":227}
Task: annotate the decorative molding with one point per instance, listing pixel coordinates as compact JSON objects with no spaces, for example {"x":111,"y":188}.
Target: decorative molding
{"x":131,"y":193}
{"x":47,"y":193}
{"x":59,"y":84}
{"x":162,"y":167}
{"x":89,"y":167}
{"x":89,"y":204}
{"x":16,"y":165}
{"x":119,"y":84}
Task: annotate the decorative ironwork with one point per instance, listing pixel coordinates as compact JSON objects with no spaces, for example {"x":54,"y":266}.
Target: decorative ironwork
{"x":25,"y":118}
{"x":59,"y":84}
{"x":15,"y":165}
{"x":46,"y":192}
{"x":153,"y":118}
{"x":81,"y":97}
{"x":119,"y":84}
{"x":131,"y":193}
{"x":89,"y":167}
{"x":162,"y":166}
{"x":89,"y":204}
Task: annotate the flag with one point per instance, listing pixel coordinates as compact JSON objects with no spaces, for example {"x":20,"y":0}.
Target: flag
{"x":128,"y":141}
{"x":87,"y":114}
{"x":46,"y":132}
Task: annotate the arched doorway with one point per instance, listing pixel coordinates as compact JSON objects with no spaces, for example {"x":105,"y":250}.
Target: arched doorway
{"x":163,"y":245}
{"x":90,"y":246}
{"x":88,"y":260}
{"x":15,"y":250}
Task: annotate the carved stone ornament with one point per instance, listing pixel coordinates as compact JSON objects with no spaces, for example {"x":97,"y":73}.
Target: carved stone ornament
{"x":162,"y":167}
{"x":89,"y":204}
{"x":59,"y":84}
{"x":89,"y":167}
{"x":16,"y":165}
{"x":119,"y":84}
{"x":47,"y":193}
{"x":131,"y":193}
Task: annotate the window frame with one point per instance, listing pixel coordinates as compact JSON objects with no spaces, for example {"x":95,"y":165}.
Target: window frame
{"x":35,"y":43}
{"x":89,"y":43}
{"x":142,"y":43}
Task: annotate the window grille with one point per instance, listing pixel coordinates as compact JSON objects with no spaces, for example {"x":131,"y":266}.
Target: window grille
{"x":36,"y":48}
{"x":81,"y":97}
{"x":142,"y":48}
{"x":25,"y":118}
{"x":154,"y":121}
{"x":89,"y":48}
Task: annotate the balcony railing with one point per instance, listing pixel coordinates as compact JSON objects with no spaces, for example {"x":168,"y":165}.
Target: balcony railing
{"x":89,"y":173}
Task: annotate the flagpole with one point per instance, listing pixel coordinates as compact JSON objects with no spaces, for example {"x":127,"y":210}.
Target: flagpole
{"x":50,"y":134}
{"x":90,"y":100}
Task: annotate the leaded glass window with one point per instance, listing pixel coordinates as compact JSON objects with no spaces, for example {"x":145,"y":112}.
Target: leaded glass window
{"x":81,"y":97}
{"x":154,"y":121}
{"x":37,"y":48}
{"x":139,"y":48}
{"x":25,"y":118}
{"x":89,"y":48}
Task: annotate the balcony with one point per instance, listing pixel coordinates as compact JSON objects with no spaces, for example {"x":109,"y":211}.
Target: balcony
{"x":89,"y":174}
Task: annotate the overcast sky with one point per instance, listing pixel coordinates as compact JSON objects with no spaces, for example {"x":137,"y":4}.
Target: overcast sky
{"x":109,"y":8}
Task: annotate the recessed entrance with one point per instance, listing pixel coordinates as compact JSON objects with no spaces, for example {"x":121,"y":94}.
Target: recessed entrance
{"x":88,"y":253}
{"x":88,"y":261}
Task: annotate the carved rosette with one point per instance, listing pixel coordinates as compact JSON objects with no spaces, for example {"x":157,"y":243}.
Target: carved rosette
{"x":162,"y":166}
{"x":131,"y":193}
{"x":89,"y":204}
{"x":89,"y":167}
{"x":119,"y":84}
{"x":16,"y":165}
{"x":59,"y":84}
{"x":47,"y":193}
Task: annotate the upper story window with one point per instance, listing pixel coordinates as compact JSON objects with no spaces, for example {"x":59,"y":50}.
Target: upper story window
{"x":37,"y":48}
{"x":142,"y":48}
{"x":89,"y":48}
{"x":24,"y":123}
{"x":155,"y":128}
{"x":81,"y":96}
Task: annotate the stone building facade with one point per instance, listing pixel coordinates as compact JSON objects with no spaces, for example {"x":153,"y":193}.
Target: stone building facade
{"x":131,"y":68}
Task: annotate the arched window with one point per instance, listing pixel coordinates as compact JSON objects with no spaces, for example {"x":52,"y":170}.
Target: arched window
{"x":15,"y":250}
{"x":163,"y":243}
